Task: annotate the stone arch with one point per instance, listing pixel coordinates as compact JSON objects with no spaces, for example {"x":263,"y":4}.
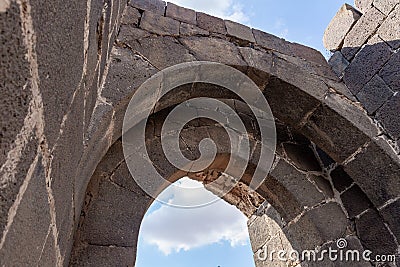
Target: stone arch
{"x":321,"y":109}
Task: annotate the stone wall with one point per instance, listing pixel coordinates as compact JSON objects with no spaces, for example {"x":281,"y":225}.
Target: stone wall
{"x":366,"y":42}
{"x":69,"y":68}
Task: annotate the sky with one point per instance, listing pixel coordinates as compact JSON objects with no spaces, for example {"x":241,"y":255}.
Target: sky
{"x":216,"y":235}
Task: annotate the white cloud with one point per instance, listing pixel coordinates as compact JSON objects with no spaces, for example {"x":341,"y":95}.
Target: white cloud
{"x":175,"y":229}
{"x":226,"y":9}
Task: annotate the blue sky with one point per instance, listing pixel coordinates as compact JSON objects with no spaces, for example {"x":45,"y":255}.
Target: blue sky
{"x":216,"y":235}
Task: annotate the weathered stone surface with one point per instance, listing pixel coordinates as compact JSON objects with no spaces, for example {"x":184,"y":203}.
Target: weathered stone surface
{"x":262,"y":230}
{"x":61,"y":60}
{"x":48,"y":256}
{"x":390,"y":28}
{"x":162,"y":52}
{"x":158,"y":24}
{"x":307,"y":53}
{"x":131,"y":16}
{"x":181,"y":13}
{"x":379,"y":179}
{"x":340,"y":179}
{"x":304,"y":192}
{"x":390,"y":73}
{"x":329,"y":134}
{"x":272,"y":42}
{"x":366,"y":64}
{"x":239,"y":31}
{"x":361,"y":31}
{"x":388,"y":115}
{"x":374,"y":94}
{"x":105,"y":225}
{"x":190,"y":30}
{"x":213,"y":49}
{"x":15,"y":87}
{"x":323,"y":185}
{"x":391,"y":215}
{"x":99,"y":255}
{"x":355,"y":201}
{"x":155,"y":6}
{"x":339,"y":26}
{"x":363,"y":5}
{"x":385,"y":6}
{"x":338,"y":63}
{"x":374,"y":235}
{"x":210,"y":23}
{"x":30,"y":224}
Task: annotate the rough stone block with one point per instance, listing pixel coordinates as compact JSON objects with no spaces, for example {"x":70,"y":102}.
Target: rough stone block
{"x":190,"y":30}
{"x":361,"y":31}
{"x":153,"y":22}
{"x":261,"y":230}
{"x":391,"y":215}
{"x":379,"y":179}
{"x":340,"y":179}
{"x":390,"y":73}
{"x":155,"y":6}
{"x":272,"y":42}
{"x":212,"y":49}
{"x":302,"y":156}
{"x":366,"y":64}
{"x":131,"y":16}
{"x":374,"y":94}
{"x":385,"y":6}
{"x":390,"y":28}
{"x":355,"y":201}
{"x":374,"y":235}
{"x":210,"y":23}
{"x":338,"y":63}
{"x":388,"y":115}
{"x":323,"y":185}
{"x":339,"y":26}
{"x":363,"y":5}
{"x":97,"y":255}
{"x":28,"y":231}
{"x":239,"y":31}
{"x":307,"y":53}
{"x":180,"y":13}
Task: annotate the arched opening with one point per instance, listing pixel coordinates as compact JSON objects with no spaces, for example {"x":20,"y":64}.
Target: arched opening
{"x":212,"y":235}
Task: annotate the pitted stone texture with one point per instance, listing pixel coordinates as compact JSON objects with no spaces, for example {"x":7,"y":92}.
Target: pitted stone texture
{"x":60,"y":60}
{"x":307,"y":53}
{"x":15,"y":86}
{"x":162,"y":52}
{"x":374,"y":234}
{"x":366,"y":64}
{"x":385,"y":6}
{"x":30,"y":224}
{"x":374,"y":94}
{"x":239,"y":31}
{"x":213,"y":49}
{"x":390,"y":28}
{"x":363,"y":5}
{"x":379,"y":181}
{"x":339,"y":26}
{"x":210,"y":23}
{"x":180,"y":13}
{"x":355,"y":201}
{"x":272,"y":42}
{"x":362,"y":30}
{"x":158,"y":24}
{"x":99,"y":255}
{"x":390,"y":73}
{"x":338,"y":63}
{"x":190,"y":30}
{"x":131,"y":16}
{"x":155,"y":6}
{"x":124,"y":76}
{"x":388,"y":115}
{"x":391,"y":215}
{"x":322,"y":184}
